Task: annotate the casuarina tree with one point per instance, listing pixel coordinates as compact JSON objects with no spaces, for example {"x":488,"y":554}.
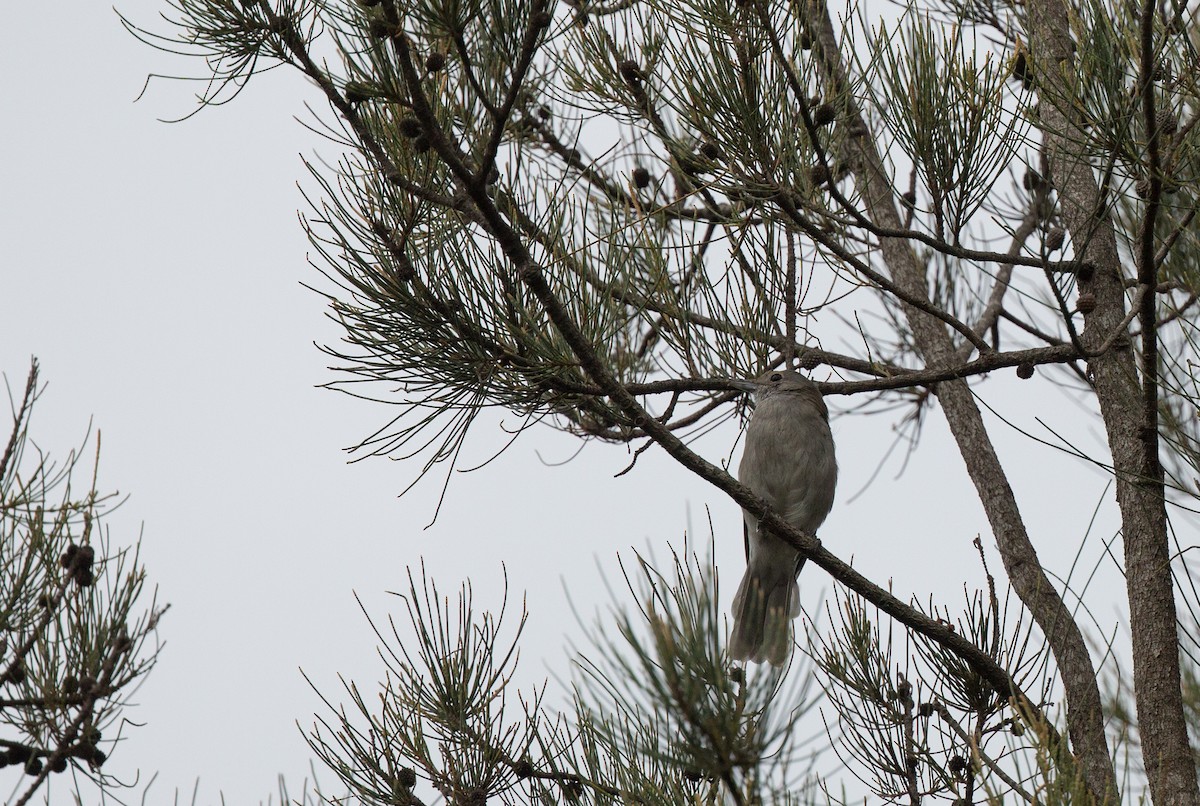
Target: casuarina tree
{"x":604,"y":215}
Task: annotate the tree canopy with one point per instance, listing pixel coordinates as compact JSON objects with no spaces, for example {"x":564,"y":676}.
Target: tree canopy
{"x":597,"y":214}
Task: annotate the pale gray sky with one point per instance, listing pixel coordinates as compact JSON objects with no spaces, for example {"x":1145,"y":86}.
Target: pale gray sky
{"x":156,"y":271}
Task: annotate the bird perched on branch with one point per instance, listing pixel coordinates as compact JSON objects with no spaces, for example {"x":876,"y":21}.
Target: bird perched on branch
{"x":788,"y":461}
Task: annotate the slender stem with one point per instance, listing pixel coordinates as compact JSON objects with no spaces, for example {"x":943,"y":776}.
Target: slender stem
{"x":789,"y":314}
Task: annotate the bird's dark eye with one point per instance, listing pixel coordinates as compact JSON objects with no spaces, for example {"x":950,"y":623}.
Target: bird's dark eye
{"x":775,"y":376}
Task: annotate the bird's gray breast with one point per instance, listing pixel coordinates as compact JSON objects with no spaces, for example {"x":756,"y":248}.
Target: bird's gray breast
{"x":789,"y":460}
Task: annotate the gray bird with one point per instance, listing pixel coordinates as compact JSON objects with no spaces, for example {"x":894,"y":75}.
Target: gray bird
{"x":788,"y":461}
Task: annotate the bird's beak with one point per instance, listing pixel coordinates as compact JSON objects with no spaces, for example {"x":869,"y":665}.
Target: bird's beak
{"x":745,"y":386}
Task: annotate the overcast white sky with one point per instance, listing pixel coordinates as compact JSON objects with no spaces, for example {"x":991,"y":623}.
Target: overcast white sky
{"x":156,"y":271}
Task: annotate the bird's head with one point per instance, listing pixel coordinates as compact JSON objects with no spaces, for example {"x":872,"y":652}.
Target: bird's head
{"x":781,"y":382}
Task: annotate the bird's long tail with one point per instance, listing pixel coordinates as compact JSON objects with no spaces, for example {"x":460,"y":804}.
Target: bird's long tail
{"x":763,"y":608}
